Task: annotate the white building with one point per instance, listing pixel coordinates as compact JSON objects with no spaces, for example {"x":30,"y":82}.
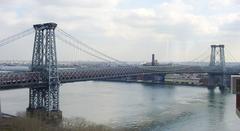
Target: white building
{"x":189,"y":79}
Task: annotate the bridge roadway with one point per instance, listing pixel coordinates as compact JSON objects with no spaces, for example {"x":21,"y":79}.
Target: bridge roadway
{"x":25,"y":79}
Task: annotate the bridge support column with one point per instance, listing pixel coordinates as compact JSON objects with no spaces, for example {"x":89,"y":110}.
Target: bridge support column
{"x":221,"y":80}
{"x":217,"y":62}
{"x":211,"y":81}
{"x":44,"y":98}
{"x":225,"y":81}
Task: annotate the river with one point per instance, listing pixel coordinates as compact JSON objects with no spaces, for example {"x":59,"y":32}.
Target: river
{"x":143,"y":106}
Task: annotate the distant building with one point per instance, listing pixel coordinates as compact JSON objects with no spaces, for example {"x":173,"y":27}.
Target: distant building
{"x":234,"y":79}
{"x":154,"y":62}
{"x":235,"y":88}
{"x":188,"y":79}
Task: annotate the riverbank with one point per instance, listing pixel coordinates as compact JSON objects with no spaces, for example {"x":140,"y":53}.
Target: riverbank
{"x":33,"y":124}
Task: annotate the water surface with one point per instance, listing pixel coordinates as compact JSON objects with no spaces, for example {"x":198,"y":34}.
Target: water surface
{"x":142,"y":106}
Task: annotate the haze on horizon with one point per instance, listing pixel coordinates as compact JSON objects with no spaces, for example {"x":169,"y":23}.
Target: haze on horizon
{"x":129,"y":30}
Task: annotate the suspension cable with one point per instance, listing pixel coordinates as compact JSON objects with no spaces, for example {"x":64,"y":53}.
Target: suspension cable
{"x":102,"y":54}
{"x":230,"y":54}
{"x":15,"y":37}
{"x":87,"y":46}
{"x":78,"y":48}
{"x":200,"y":56}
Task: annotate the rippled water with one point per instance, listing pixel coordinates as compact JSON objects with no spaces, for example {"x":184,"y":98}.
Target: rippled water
{"x":142,"y":106}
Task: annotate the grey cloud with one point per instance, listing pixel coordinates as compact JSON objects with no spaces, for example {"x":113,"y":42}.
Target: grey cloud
{"x":117,"y":31}
{"x":80,"y":3}
{"x":231,"y":27}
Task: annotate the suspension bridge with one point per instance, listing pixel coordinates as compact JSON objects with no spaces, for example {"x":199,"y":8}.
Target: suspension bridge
{"x":44,"y":77}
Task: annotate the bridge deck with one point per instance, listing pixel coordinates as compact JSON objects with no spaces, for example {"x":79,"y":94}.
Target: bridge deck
{"x":28,"y":78}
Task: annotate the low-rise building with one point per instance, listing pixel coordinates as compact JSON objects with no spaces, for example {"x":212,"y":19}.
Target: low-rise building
{"x":189,"y":79}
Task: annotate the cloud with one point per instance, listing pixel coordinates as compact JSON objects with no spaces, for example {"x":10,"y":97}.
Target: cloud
{"x":231,"y":22}
{"x":175,"y":20}
{"x":215,"y":4}
{"x":81,"y":3}
{"x":118,"y":31}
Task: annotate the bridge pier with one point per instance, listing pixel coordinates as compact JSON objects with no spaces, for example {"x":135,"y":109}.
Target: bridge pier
{"x":211,"y":81}
{"x":222,"y":81}
{"x":37,"y":105}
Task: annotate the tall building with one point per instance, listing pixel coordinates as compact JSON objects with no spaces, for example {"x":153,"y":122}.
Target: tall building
{"x":235,"y":88}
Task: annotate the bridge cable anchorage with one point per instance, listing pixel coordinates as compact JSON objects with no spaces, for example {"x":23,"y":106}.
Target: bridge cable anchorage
{"x":88,"y":47}
{"x":15,"y":37}
{"x":77,"y":47}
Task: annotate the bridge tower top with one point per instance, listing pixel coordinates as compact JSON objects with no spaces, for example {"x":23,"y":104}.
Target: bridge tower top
{"x":45,"y":26}
{"x":44,"y":50}
{"x":217,"y":56}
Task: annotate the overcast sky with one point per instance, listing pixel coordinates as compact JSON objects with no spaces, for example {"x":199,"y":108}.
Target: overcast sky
{"x":129,"y":30}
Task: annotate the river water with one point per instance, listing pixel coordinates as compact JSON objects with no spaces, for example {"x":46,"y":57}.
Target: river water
{"x":143,"y":106}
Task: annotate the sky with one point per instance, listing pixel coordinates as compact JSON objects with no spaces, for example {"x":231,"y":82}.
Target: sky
{"x":128,"y":30}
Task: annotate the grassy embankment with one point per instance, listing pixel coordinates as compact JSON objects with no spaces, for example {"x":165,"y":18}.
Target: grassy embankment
{"x":33,"y":124}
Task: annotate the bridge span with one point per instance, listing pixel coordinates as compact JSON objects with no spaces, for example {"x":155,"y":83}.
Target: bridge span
{"x":27,"y":79}
{"x":44,"y":78}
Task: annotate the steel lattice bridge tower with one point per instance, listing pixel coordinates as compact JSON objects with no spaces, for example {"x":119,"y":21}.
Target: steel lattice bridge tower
{"x":217,"y":61}
{"x":44,"y":60}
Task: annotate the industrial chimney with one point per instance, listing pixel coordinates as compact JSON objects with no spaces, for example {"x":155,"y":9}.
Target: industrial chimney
{"x":0,"y":109}
{"x":153,"y":60}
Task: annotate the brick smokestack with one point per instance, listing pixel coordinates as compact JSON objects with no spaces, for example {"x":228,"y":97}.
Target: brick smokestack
{"x":153,"y":60}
